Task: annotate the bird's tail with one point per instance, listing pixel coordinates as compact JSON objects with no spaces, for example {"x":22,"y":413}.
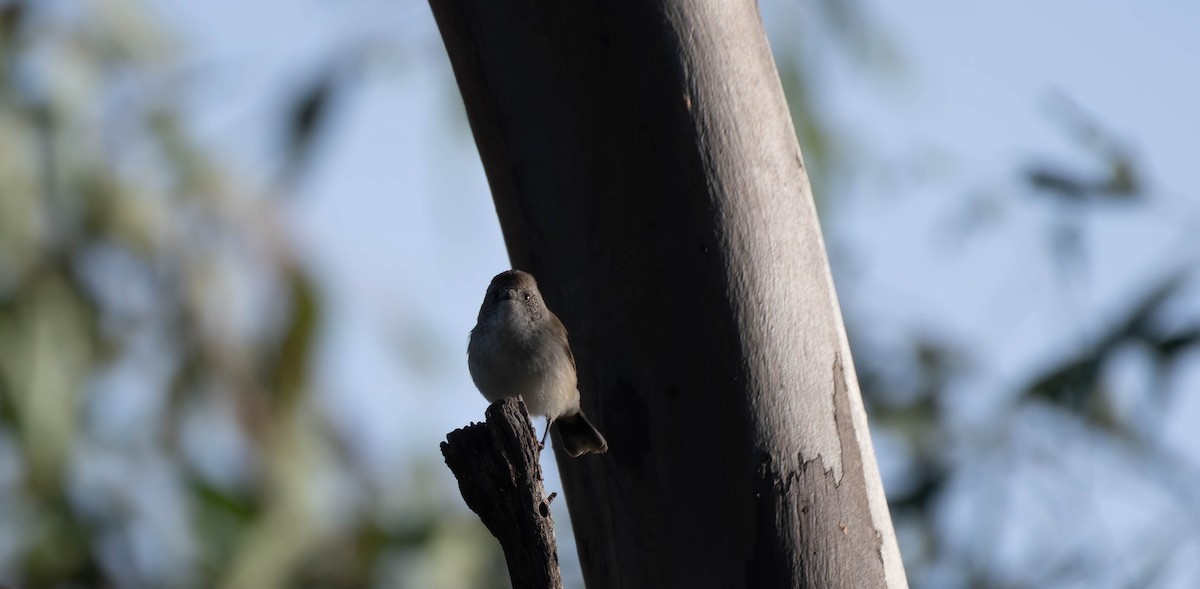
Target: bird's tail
{"x":579,"y":436}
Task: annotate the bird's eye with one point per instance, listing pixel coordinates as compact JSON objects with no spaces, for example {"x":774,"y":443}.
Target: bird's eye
{"x":527,"y":296}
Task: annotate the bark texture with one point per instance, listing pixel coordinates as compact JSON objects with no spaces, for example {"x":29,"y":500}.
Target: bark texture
{"x":645,"y":169}
{"x":496,"y":464}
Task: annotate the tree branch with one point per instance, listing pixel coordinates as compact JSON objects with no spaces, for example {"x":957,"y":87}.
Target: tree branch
{"x":496,"y":464}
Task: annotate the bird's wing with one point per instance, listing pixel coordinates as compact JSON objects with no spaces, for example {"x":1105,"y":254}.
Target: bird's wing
{"x":561,"y":335}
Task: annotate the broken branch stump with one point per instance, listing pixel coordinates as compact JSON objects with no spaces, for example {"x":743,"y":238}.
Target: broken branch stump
{"x":496,"y":464}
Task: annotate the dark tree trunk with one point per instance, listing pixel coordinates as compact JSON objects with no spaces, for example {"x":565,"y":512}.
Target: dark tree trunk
{"x":645,"y":170}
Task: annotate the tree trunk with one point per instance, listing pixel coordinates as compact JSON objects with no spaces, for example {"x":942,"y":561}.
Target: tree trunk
{"x":645,"y":169}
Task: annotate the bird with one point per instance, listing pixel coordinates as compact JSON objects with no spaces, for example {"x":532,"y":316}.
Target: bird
{"x":518,"y":347}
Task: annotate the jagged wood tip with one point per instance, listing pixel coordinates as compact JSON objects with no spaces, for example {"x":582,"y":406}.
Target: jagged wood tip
{"x":499,"y":477}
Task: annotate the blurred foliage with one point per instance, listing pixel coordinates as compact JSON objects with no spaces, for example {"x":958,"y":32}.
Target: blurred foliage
{"x":1072,"y":392}
{"x":157,"y":338}
{"x":1119,"y":179}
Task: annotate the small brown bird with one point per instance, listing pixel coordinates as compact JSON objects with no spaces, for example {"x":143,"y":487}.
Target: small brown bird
{"x":518,"y":347}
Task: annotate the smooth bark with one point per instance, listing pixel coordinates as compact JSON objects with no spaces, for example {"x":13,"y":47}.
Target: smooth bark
{"x":645,"y":169}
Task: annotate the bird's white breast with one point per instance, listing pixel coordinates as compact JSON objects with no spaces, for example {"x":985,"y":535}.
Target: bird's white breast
{"x":510,"y":356}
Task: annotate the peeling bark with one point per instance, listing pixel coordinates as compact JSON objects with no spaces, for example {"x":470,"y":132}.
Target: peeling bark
{"x":798,"y":495}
